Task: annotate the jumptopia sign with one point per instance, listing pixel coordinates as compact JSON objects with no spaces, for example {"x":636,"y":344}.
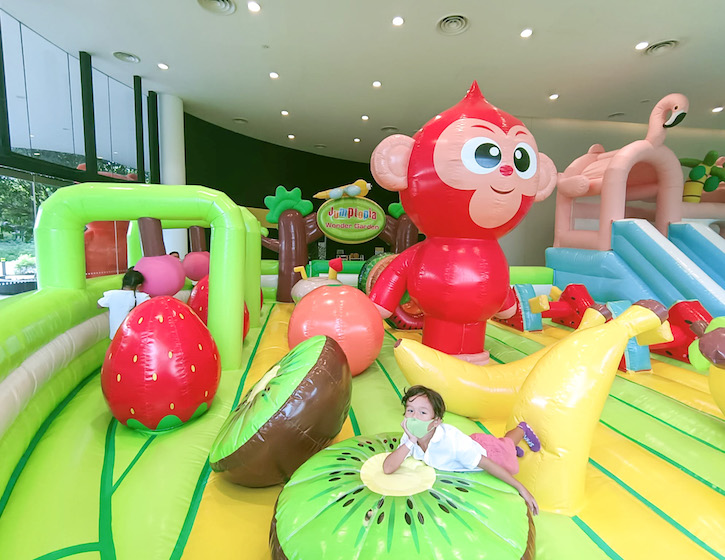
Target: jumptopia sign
{"x":351,"y":219}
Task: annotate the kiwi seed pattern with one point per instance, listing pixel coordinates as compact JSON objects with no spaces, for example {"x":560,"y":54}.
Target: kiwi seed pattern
{"x":326,"y":510}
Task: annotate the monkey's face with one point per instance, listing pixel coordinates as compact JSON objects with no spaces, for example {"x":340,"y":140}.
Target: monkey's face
{"x":501,"y":168}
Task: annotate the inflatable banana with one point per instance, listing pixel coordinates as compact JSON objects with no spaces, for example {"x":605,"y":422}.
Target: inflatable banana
{"x":562,"y":400}
{"x":471,"y":390}
{"x":481,"y":392}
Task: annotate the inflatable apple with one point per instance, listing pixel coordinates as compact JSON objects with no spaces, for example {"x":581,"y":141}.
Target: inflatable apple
{"x":345,"y":314}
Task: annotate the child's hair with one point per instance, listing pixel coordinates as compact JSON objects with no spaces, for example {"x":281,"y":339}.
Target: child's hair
{"x":436,"y":401}
{"x":132,"y":279}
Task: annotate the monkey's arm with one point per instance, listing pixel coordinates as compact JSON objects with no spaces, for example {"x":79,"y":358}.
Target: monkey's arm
{"x":390,"y":287}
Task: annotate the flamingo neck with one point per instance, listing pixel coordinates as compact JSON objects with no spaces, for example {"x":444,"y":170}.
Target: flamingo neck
{"x":656,"y":130}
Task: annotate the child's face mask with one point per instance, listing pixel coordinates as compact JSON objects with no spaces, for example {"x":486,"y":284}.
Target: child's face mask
{"x":417,"y":427}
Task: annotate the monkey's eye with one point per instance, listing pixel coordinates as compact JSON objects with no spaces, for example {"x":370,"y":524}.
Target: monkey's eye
{"x":525,"y":160}
{"x":481,"y":155}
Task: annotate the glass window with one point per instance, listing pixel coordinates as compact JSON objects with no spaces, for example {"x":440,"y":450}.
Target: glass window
{"x":41,"y":105}
{"x":115,"y":128}
{"x":21,"y":194}
{"x":15,"y":82}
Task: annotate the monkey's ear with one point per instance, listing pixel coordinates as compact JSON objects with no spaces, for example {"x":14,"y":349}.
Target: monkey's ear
{"x":547,"y":177}
{"x":389,"y":162}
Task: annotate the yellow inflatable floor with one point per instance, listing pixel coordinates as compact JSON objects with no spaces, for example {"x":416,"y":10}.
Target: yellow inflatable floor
{"x":655,"y":480}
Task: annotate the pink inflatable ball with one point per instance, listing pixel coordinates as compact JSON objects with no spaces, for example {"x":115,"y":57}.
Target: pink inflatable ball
{"x":163,"y":275}
{"x":196,"y":265}
{"x":306,"y":285}
{"x":345,"y":314}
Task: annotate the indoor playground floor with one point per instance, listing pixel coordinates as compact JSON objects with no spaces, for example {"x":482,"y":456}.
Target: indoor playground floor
{"x":655,"y":478}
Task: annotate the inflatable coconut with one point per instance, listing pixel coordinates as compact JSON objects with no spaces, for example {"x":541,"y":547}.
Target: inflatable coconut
{"x":292,"y":412}
{"x":340,"y":505}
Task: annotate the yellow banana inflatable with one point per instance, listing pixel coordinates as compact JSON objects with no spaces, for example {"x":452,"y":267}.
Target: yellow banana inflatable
{"x":562,"y":399}
{"x":560,"y":391}
{"x":481,"y":392}
{"x":471,"y":390}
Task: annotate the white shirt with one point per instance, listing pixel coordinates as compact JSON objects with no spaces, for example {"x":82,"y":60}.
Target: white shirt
{"x":448,"y":450}
{"x":119,"y":303}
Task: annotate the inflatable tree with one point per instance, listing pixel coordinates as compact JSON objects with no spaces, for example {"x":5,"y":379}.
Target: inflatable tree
{"x":706,"y":175}
{"x":400,"y":232}
{"x":297,"y":226}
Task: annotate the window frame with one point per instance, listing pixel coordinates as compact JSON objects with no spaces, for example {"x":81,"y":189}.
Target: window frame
{"x":11,"y":159}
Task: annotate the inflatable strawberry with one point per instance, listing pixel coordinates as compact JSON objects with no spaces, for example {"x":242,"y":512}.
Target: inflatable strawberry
{"x":162,"y":368}
{"x":199,"y":302}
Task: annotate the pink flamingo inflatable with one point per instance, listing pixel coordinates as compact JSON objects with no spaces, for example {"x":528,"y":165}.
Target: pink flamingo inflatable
{"x":643,"y":170}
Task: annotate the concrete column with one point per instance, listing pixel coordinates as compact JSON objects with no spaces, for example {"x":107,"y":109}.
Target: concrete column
{"x":172,"y":160}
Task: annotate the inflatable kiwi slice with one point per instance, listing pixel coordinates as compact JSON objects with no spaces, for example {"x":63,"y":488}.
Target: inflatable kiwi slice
{"x":339,"y":505}
{"x":292,"y":412}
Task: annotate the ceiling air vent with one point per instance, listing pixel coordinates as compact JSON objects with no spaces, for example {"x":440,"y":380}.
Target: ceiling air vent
{"x":220,"y":7}
{"x":663,"y":47}
{"x":452,"y":25}
{"x":615,"y":115}
{"x":127,"y":57}
{"x":389,"y":129}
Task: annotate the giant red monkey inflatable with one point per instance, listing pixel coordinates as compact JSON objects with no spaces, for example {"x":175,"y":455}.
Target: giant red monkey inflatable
{"x":466,"y":178}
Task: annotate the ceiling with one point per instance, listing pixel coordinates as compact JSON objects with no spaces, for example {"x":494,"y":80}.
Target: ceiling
{"x":328,"y":53}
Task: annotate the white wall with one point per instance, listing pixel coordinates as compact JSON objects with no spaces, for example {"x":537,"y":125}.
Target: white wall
{"x":564,"y":140}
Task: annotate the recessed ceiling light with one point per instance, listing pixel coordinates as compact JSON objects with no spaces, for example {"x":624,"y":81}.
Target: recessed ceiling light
{"x":717,"y":110}
{"x":526,"y":33}
{"x":273,"y":75}
{"x":398,"y":21}
{"x":356,"y":139}
{"x":377,"y":84}
{"x":127,"y":57}
{"x":320,"y":146}
{"x":284,"y":113}
{"x":364,"y":117}
{"x":291,"y":136}
{"x":240,"y":120}
{"x":163,"y":66}
{"x":253,"y":7}
{"x":36,"y":153}
{"x":554,"y":96}
{"x":641,"y":46}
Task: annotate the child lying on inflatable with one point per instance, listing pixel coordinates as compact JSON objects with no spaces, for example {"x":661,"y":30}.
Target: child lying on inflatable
{"x":445,"y":447}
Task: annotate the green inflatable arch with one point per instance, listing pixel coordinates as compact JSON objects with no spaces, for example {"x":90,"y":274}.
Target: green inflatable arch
{"x":61,"y":255}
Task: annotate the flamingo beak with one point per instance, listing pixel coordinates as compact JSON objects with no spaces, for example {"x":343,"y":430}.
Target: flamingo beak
{"x":676,"y":118}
